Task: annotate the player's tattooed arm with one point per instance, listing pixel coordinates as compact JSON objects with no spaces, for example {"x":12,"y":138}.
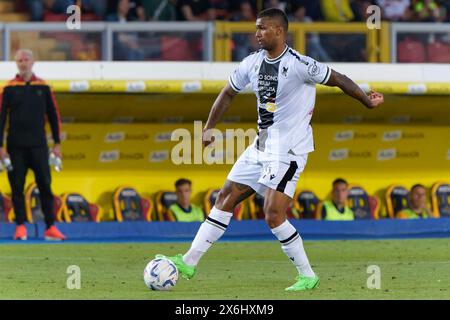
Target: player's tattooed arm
{"x":219,"y":107}
{"x":353,"y":90}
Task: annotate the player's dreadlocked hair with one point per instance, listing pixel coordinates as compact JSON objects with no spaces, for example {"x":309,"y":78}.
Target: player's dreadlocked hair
{"x":276,"y":13}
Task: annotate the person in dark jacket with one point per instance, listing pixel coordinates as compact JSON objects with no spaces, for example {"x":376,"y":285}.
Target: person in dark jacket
{"x":27,"y":101}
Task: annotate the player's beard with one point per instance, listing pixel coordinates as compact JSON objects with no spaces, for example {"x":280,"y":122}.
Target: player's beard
{"x":265,"y":46}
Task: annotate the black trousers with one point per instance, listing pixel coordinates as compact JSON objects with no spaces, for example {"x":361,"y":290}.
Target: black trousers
{"x":36,"y":159}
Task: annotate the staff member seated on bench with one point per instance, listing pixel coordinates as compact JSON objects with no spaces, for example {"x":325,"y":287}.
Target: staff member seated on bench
{"x":183,"y":210}
{"x":337,"y":208}
{"x":418,"y":208}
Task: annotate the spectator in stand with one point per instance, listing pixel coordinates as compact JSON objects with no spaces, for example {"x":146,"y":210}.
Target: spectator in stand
{"x":282,"y":5}
{"x":337,"y":11}
{"x":97,"y":7}
{"x":394,"y":10}
{"x":244,"y":43}
{"x":37,"y":7}
{"x":314,"y":48}
{"x":194,"y":10}
{"x":427,"y":11}
{"x":342,"y":47}
{"x":160,"y":10}
{"x":126,"y":44}
{"x":134,"y":12}
{"x":359,"y":8}
{"x":445,"y":7}
{"x":418,"y":208}
{"x":221,"y":9}
{"x":312,"y":9}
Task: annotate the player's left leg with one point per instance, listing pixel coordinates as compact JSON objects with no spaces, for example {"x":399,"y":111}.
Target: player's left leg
{"x":280,"y":176}
{"x":275,"y":206}
{"x":39,"y":165}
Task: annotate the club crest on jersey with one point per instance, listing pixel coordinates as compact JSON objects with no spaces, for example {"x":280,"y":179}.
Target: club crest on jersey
{"x":313,"y":70}
{"x":284,"y":71}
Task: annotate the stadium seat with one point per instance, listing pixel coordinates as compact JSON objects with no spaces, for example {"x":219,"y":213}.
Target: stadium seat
{"x":306,"y":203}
{"x":5,"y":208}
{"x":397,"y":199}
{"x":440,"y":199}
{"x":362,"y":204}
{"x":175,"y":49}
{"x":256,"y":208}
{"x":33,"y":207}
{"x":164,"y":199}
{"x":76,"y":208}
{"x":210,"y":200}
{"x":128,"y":205}
{"x":438,"y":52}
{"x":54,"y":17}
{"x":410,"y":50}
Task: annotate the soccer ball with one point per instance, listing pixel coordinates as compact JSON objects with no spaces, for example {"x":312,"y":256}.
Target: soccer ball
{"x":160,"y":274}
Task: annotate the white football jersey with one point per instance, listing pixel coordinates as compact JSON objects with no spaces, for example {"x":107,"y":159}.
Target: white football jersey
{"x":285,"y":89}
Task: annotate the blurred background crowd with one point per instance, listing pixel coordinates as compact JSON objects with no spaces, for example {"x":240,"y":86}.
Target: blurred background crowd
{"x":146,"y":43}
{"x":235,"y":10}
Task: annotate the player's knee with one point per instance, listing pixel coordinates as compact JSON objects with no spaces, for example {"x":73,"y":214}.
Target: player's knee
{"x":223,"y":200}
{"x":273,"y":216}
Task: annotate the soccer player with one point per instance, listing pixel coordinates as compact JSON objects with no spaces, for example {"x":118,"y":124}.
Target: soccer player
{"x":284,"y":84}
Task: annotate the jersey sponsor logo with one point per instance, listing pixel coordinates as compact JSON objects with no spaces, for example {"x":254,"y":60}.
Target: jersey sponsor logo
{"x":267,"y":91}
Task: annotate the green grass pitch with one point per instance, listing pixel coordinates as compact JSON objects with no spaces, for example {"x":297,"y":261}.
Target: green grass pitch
{"x":410,"y":269}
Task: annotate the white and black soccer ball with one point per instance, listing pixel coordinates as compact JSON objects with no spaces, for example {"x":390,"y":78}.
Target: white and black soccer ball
{"x":160,"y":274}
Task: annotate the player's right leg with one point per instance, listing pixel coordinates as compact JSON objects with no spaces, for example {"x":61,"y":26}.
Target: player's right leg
{"x":17,"y":182}
{"x":214,"y":226}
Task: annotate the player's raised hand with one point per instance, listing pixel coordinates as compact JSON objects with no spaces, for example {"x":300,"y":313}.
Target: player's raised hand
{"x":375,"y":99}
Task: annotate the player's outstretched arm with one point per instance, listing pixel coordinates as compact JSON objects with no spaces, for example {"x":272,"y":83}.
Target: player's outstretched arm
{"x":372,"y":100}
{"x":219,"y":107}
